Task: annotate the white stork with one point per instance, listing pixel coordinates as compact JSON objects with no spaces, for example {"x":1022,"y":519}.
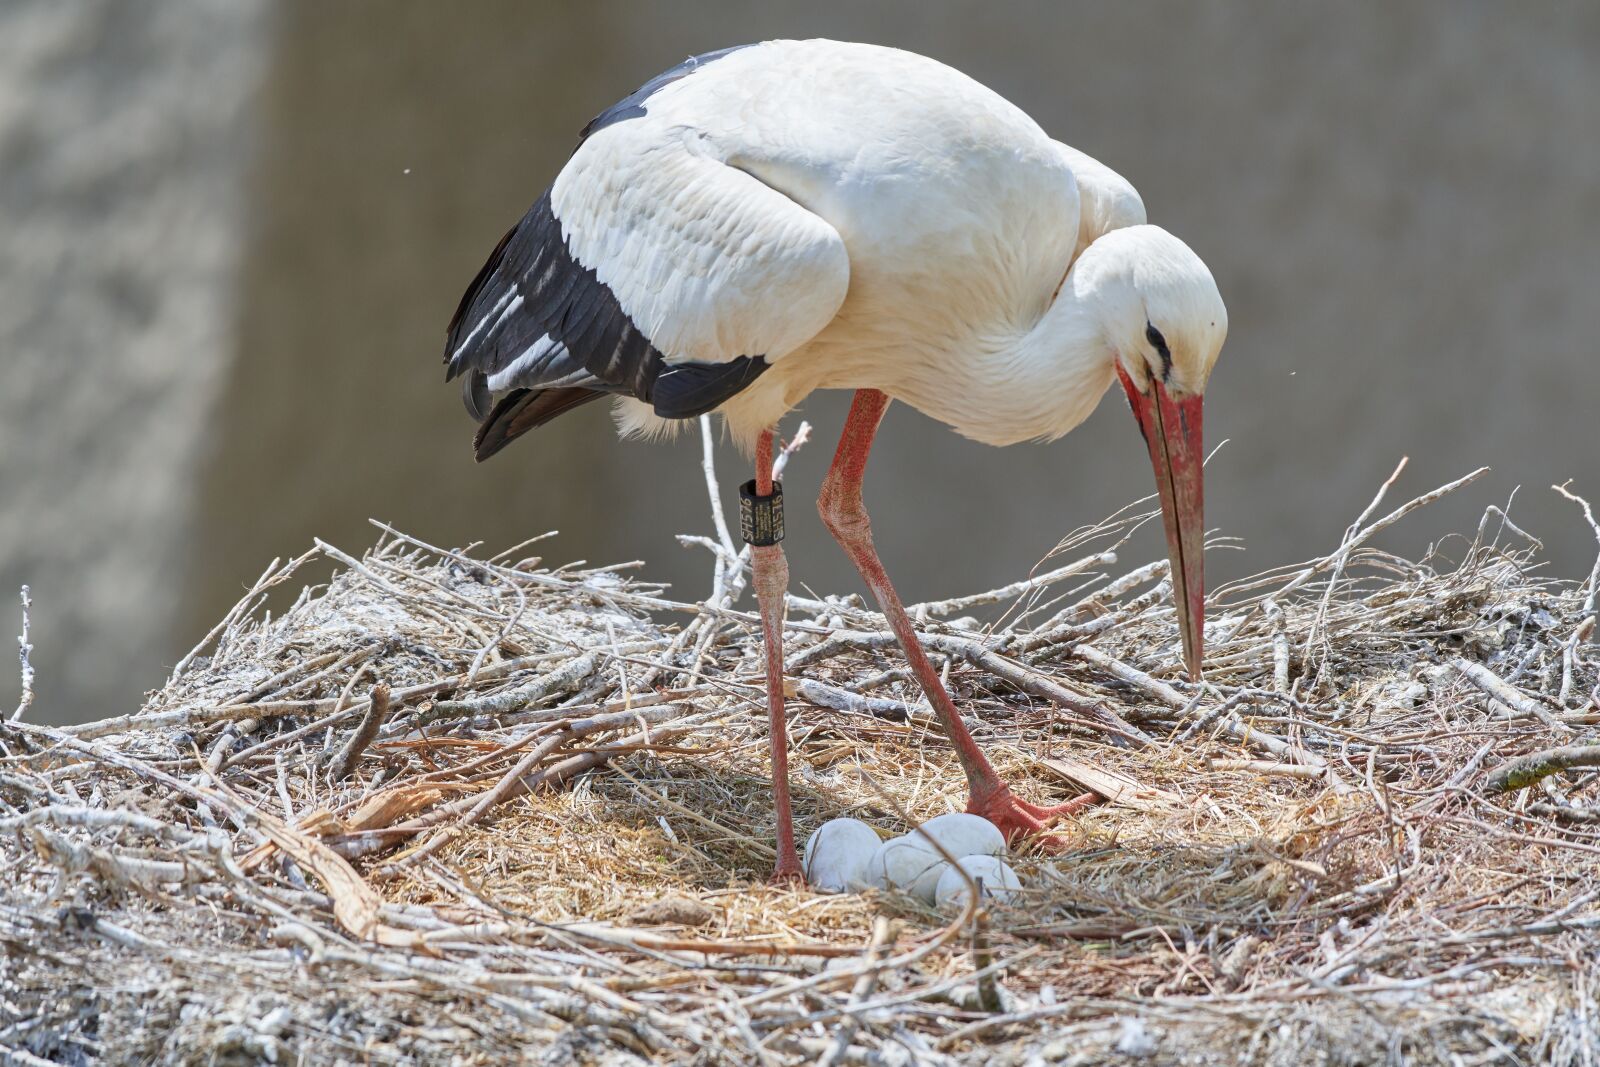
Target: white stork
{"x":767,"y":220}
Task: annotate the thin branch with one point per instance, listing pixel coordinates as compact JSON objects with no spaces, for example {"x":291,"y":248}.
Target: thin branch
{"x":24,"y":651}
{"x":1340,"y":558}
{"x":1317,"y":566}
{"x":1526,"y":770}
{"x":1514,"y":699}
{"x":921,"y":612}
{"x":708,"y":466}
{"x":361,"y":737}
{"x":1280,"y":646}
{"x":1593,"y":584}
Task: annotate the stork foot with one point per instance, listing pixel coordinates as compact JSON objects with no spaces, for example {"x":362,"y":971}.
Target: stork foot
{"x":788,"y":874}
{"x":1018,"y":819}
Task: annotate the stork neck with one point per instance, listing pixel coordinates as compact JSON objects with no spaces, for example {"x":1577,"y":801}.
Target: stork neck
{"x":1059,"y":369}
{"x":1009,"y":387}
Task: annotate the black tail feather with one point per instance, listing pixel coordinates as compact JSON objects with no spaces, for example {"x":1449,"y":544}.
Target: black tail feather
{"x":522,"y":410}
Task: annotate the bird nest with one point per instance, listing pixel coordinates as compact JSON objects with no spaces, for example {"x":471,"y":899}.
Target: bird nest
{"x":458,"y":807}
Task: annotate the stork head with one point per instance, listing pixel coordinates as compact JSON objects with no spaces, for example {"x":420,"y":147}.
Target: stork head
{"x":1163,"y":318}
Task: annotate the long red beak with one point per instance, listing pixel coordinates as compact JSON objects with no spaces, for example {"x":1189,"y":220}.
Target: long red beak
{"x":1171,"y":429}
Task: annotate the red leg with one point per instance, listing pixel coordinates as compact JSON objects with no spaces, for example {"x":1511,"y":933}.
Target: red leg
{"x":770,"y":576}
{"x":846,"y":516}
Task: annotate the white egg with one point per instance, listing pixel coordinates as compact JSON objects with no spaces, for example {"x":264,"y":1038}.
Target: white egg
{"x":997,"y":881}
{"x":907,"y":864}
{"x":837,"y":855}
{"x":966,"y":835}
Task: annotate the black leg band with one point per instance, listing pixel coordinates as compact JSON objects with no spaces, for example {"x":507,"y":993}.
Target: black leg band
{"x":761,"y":517}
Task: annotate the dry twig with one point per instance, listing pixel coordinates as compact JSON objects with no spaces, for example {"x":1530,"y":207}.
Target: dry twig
{"x":1526,"y":770}
{"x":24,"y":651}
{"x":366,"y":730}
{"x":1302,"y":866}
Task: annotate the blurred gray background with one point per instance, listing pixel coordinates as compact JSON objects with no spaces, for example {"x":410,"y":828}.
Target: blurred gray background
{"x":232,"y":233}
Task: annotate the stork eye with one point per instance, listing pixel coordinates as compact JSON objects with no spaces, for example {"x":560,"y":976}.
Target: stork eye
{"x":1159,"y":343}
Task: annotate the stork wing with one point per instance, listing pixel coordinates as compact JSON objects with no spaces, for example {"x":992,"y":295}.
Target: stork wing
{"x":649,"y":270}
{"x":1106,"y":200}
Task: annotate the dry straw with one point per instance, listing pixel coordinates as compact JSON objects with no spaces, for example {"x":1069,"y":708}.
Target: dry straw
{"x":449,"y":808}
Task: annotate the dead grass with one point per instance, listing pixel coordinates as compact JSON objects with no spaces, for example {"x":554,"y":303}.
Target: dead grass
{"x":553,"y":846}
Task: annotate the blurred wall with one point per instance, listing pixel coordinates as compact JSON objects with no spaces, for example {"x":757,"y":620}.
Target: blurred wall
{"x":123,"y":146}
{"x":1399,"y":203}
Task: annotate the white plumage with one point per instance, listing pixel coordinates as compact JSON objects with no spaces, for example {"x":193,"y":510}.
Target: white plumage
{"x":732,"y":217}
{"x":860,"y":217}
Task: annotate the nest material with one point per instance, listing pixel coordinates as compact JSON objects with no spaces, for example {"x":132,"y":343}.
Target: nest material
{"x":459,"y":809}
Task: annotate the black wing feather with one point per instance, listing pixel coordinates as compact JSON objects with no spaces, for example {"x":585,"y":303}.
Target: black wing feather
{"x":533,"y":288}
{"x":470,"y":297}
{"x":522,"y":410}
{"x":601,"y":349}
{"x":686,"y":390}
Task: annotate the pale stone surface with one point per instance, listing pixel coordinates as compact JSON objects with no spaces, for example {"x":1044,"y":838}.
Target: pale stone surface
{"x":1398,"y":202}
{"x":121,"y":160}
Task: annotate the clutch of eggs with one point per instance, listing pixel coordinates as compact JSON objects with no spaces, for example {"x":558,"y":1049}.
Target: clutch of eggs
{"x":846,"y":854}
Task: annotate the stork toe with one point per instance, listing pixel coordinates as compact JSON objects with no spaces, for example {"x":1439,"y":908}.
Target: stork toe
{"x":788,"y":875}
{"x":1019,"y":820}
